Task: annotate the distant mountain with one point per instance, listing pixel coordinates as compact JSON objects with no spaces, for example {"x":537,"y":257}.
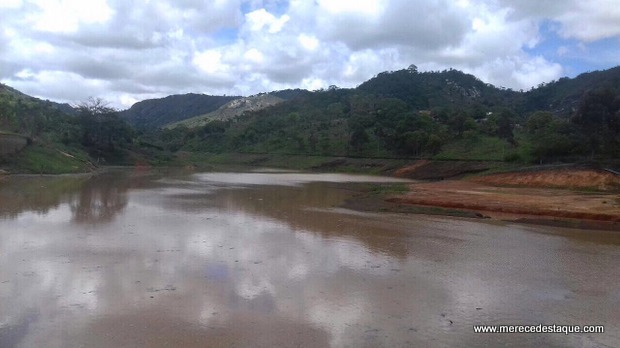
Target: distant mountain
{"x":230,"y":110}
{"x":154,"y":113}
{"x":562,"y":96}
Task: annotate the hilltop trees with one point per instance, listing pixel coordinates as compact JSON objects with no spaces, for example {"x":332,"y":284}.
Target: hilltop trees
{"x":598,"y":117}
{"x":103,"y":132}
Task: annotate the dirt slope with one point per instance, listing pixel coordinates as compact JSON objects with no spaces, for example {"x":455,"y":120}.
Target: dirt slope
{"x":550,"y":193}
{"x":564,"y":178}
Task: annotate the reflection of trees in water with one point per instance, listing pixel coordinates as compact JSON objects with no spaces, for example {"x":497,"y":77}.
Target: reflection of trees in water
{"x":93,"y":199}
{"x":101,"y":199}
{"x":36,"y":194}
{"x":307,"y":207}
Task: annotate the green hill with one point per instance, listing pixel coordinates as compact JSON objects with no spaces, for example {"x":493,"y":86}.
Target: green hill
{"x":405,"y":114}
{"x":230,"y":110}
{"x":448,"y":88}
{"x":154,"y":113}
{"x":562,"y":96}
{"x":446,"y":114}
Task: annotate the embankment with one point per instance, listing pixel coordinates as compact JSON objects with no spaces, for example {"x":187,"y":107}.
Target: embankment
{"x":583,"y":194}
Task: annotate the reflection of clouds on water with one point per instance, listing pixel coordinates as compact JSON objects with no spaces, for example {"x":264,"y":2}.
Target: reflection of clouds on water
{"x":287,"y":179}
{"x":189,"y":255}
{"x":298,"y":270}
{"x":58,"y":215}
{"x":250,"y":287}
{"x":338,"y":315}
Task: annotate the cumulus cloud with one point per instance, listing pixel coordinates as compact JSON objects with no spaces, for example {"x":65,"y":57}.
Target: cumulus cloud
{"x":583,"y":20}
{"x":591,"y":20}
{"x":372,"y":24}
{"x":68,"y":15}
{"x":126,"y":51}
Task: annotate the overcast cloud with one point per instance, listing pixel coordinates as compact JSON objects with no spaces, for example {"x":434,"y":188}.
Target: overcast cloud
{"x":126,"y":51}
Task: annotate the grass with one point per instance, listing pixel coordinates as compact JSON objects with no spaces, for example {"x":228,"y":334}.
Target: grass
{"x":487,"y":148}
{"x":288,"y":161}
{"x":388,"y":189}
{"x":38,"y":159}
{"x":413,"y":209}
{"x":481,"y":147}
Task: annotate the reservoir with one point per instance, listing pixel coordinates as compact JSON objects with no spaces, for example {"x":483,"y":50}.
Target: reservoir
{"x":264,"y":258}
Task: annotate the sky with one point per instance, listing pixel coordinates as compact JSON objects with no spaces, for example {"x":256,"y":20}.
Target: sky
{"x":127,"y":51}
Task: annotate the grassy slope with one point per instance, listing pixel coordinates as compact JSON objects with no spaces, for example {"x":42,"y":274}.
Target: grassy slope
{"x":39,"y":159}
{"x":287,"y":161}
{"x":485,"y":148}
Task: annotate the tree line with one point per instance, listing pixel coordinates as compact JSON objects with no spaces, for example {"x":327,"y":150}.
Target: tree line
{"x":400,"y":114}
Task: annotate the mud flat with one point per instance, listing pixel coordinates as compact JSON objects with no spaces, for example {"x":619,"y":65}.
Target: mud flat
{"x":576,"y":198}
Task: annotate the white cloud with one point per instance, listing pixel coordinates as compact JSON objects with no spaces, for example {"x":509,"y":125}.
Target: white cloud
{"x":131,"y":50}
{"x":363,"y":7}
{"x":591,"y":20}
{"x":309,"y":42}
{"x":209,"y":61}
{"x":261,"y":19}
{"x":517,"y":72}
{"x":10,"y":4}
{"x":312,"y":83}
{"x":583,"y":20}
{"x":68,"y":15}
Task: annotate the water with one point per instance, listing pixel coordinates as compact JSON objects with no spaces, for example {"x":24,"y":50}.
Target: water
{"x":131,"y":259}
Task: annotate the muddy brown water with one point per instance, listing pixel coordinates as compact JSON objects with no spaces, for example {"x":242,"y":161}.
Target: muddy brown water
{"x":265,"y":259}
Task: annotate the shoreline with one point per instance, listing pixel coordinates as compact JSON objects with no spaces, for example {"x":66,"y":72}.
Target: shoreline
{"x":548,"y":198}
{"x":589,"y":210}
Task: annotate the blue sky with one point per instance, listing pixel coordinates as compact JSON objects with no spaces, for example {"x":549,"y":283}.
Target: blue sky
{"x":126,"y":51}
{"x":573,"y":55}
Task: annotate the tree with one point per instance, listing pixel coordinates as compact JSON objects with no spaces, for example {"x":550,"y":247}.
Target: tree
{"x":94,"y":107}
{"x":505,"y":126}
{"x":434,"y":144}
{"x":415,"y":142}
{"x":103,"y":131}
{"x":457,"y":122}
{"x":551,"y":138}
{"x":359,"y":139}
{"x":598,"y":117}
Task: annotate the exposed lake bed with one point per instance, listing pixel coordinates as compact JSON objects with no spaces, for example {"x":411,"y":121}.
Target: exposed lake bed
{"x":272,"y":259}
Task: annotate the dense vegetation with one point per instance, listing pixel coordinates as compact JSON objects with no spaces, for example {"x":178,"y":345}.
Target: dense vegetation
{"x":403,"y":114}
{"x":442,"y":115}
{"x":60,"y":142}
